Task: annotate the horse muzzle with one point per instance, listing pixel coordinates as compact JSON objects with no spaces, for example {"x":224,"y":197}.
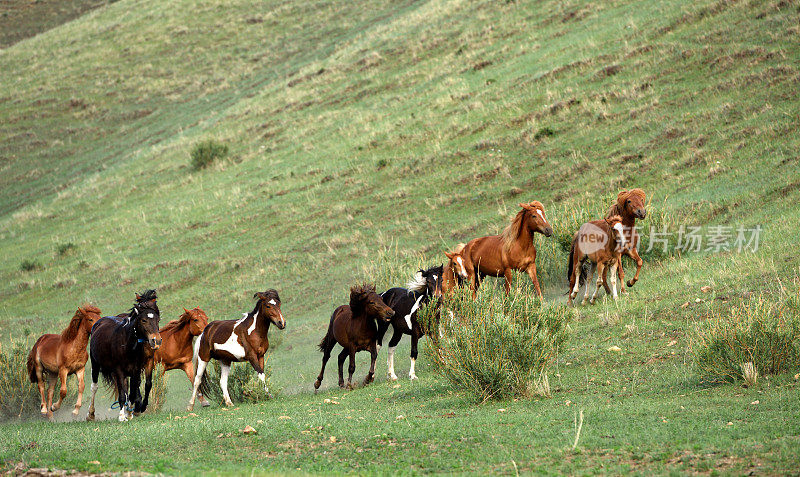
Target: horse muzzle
{"x":548,"y":232}
{"x":641,"y":213}
{"x":388,"y":316}
{"x":154,"y":342}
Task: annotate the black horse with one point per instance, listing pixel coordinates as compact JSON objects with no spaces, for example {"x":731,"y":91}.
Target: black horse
{"x":120,"y":348}
{"x":405,"y":302}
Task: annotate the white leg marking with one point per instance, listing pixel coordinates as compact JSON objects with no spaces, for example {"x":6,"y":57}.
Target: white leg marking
{"x":411,"y":374}
{"x":613,"y":275}
{"x":198,"y":378}
{"x":122,"y":417}
{"x":223,"y":383}
{"x":232,"y":346}
{"x":390,"y":364}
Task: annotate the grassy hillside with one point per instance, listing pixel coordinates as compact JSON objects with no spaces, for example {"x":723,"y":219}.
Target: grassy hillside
{"x":368,"y":129}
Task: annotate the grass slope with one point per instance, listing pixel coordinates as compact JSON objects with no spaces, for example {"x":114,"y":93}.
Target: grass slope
{"x":363,"y":127}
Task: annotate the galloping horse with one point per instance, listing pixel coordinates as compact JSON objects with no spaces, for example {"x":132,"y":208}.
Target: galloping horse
{"x":630,"y":206}
{"x":353,"y":326}
{"x":239,"y":340}
{"x":405,"y":302}
{"x":498,"y":255}
{"x":601,"y":242}
{"x":120,"y":348}
{"x":176,"y":348}
{"x":58,"y":356}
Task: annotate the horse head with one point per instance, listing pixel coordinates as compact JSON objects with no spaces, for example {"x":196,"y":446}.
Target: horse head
{"x":427,"y":282}
{"x":145,"y":316}
{"x":632,"y":203}
{"x":617,"y":229}
{"x":537,"y":221}
{"x":364,"y":300}
{"x":457,"y":261}
{"x":197,"y":320}
{"x":89,"y":315}
{"x":269,"y":303}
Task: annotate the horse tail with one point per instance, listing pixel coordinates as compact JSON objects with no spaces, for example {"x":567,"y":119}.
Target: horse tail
{"x":32,"y":363}
{"x":571,"y":264}
{"x":328,"y":341}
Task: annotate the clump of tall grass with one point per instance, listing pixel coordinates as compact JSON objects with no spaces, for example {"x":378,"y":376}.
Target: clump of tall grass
{"x":243,"y":383}
{"x":496,"y":346}
{"x":158,"y":393}
{"x":756,"y":338}
{"x":18,"y":396}
{"x":206,"y":152}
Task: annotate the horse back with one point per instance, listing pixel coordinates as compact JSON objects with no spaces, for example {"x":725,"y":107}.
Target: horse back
{"x":487,"y":255}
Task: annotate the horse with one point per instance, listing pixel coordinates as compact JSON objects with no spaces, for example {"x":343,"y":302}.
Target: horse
{"x":630,"y":206}
{"x":176,"y":348}
{"x":57,"y":356}
{"x":354,"y":327}
{"x":120,"y":348}
{"x":245,"y":339}
{"x":453,"y":272}
{"x":405,"y":302}
{"x":601,"y":242}
{"x":498,"y":255}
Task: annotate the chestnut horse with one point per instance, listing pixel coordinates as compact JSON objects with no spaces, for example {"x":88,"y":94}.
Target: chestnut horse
{"x":630,"y":206}
{"x":498,"y":255}
{"x":454,"y":272}
{"x":120,"y":348}
{"x":58,"y":356}
{"x":245,"y":339}
{"x":601,"y":242}
{"x":176,"y":347}
{"x":354,"y":327}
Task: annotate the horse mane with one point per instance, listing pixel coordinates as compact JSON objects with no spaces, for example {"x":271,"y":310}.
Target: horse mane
{"x":357,"y":295}
{"x":145,"y":300}
{"x":176,"y":324}
{"x":512,"y":230}
{"x":271,"y":294}
{"x":417,"y":283}
{"x":71,"y":331}
{"x":459,"y":248}
{"x":147,"y":295}
{"x":618,"y":208}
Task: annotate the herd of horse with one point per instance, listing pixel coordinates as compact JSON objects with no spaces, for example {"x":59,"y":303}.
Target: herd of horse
{"x":125,"y":347}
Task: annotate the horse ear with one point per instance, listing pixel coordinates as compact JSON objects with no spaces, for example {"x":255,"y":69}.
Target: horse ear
{"x":450,"y":255}
{"x":608,"y":220}
{"x":184,"y":309}
{"x":255,"y":295}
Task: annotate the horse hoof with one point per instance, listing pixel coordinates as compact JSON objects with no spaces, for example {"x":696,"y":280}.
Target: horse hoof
{"x":317,"y":383}
{"x":122,"y":419}
{"x":350,"y":386}
{"x":90,"y":417}
{"x":391,"y":377}
{"x":43,"y":411}
{"x":229,"y":403}
{"x":205,"y":403}
{"x":412,"y":377}
{"x":75,"y":412}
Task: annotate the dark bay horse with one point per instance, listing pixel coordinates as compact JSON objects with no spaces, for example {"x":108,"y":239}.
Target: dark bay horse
{"x":239,"y":340}
{"x":601,"y":242}
{"x":630,"y":206}
{"x":120,"y":348}
{"x":354,"y":327}
{"x":405,"y":302}
{"x":176,"y":349}
{"x":58,"y":356}
{"x":498,"y":255}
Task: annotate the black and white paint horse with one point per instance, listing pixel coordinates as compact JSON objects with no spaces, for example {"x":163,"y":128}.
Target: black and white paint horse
{"x":406,"y":302}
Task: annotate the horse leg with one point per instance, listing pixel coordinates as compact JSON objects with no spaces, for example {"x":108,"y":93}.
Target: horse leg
{"x":390,"y":360}
{"x":148,"y":385}
{"x":134,"y":402}
{"x":189,"y":370}
{"x":257,"y":363}
{"x":81,"y":386}
{"x":414,"y":339}
{"x":95,"y":376}
{"x":225,"y":368}
{"x":351,"y":368}
{"x":592,"y":268}
{"x":198,"y":378}
{"x":373,"y":352}
{"x":535,"y":279}
{"x":613,"y":277}
{"x":342,"y":357}
{"x":62,"y":393}
{"x":51,"y":385}
{"x":600,"y":269}
{"x":122,"y":398}
{"x":614,"y":281}
{"x":40,"y":381}
{"x":634,"y":254}
{"x":326,"y":355}
{"x":509,"y":277}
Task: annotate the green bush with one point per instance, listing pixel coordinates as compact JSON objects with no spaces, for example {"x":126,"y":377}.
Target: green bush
{"x":18,"y":396}
{"x":29,"y":265}
{"x":760,"y":332}
{"x":158,"y":393}
{"x":496,"y":346}
{"x":243,"y":383}
{"x":206,"y":152}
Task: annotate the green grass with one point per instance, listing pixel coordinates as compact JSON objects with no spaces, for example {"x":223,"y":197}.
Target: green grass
{"x":360,"y":128}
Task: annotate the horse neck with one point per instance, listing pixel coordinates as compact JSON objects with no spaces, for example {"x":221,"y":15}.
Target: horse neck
{"x":525,"y":237}
{"x":178,"y":333}
{"x":81,"y":338}
{"x":628,"y":219}
{"x":262,"y":321}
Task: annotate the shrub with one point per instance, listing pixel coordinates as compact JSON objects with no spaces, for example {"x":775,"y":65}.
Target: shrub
{"x":18,"y":396}
{"x":756,"y":338}
{"x":29,"y":265}
{"x":206,"y":152}
{"x":158,"y":393}
{"x":243,"y":383}
{"x":496,"y":346}
{"x":65,"y":248}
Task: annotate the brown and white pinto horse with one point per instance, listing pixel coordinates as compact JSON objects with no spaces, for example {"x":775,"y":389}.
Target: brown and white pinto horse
{"x":58,"y":356}
{"x":244,"y":339}
{"x":354,"y":327}
{"x":630,"y":206}
{"x":601,"y":242}
{"x":498,"y":255}
{"x":176,"y":346}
